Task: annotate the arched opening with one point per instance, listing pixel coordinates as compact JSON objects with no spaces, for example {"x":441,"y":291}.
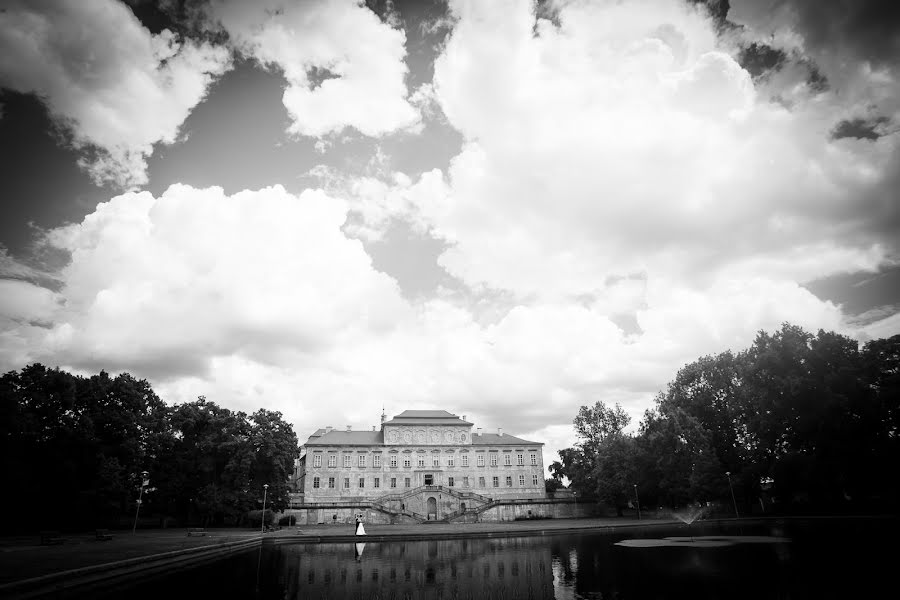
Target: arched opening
{"x":432,"y":508}
{"x":462,"y":506}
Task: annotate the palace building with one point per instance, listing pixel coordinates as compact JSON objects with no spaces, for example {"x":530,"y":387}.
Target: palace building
{"x":420,"y":465}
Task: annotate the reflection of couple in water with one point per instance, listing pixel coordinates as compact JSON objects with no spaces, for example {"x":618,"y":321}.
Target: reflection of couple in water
{"x":360,"y":530}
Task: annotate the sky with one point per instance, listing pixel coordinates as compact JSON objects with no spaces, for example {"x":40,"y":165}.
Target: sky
{"x":502,"y":209}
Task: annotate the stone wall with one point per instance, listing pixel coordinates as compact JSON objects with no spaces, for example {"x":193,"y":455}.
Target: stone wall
{"x":509,"y":511}
{"x":345,"y":515}
{"x":540,"y":510}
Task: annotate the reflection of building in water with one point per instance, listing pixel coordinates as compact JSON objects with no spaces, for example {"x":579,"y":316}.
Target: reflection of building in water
{"x":420,"y":465}
{"x":499,"y":568}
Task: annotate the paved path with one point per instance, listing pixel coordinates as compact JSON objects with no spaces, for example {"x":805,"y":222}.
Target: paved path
{"x":507,"y":528}
{"x":23,"y":557}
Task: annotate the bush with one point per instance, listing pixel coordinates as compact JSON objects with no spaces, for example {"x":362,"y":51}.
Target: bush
{"x":255,"y":518}
{"x":287,"y":520}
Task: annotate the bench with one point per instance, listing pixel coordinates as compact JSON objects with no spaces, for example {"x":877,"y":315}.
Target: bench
{"x":103,"y":535}
{"x":196,"y":531}
{"x":50,"y":538}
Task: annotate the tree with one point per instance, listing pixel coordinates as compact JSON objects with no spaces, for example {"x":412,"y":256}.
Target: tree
{"x":551,"y":484}
{"x":601,"y":463}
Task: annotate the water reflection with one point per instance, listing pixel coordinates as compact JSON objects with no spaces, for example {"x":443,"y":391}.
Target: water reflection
{"x":503,"y":568}
{"x":826,"y":559}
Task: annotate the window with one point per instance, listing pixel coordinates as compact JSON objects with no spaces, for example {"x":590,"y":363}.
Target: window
{"x":378,"y":481}
{"x":394,"y":481}
{"x":362,"y":461}
{"x":406,"y":462}
{"x":406,"y":482}
{"x":394,"y":460}
{"x":346,"y":483}
{"x":508,"y":482}
{"x":315,"y":483}
{"x":534,"y":460}
{"x":362,"y":482}
{"x":507,"y":460}
{"x":465,"y":460}
{"x":421,"y":462}
{"x":317,"y":460}
{"x":332,"y":460}
{"x":376,"y":461}
{"x":450,"y":481}
{"x":347,"y":461}
{"x":451,"y":462}
{"x":521,"y":481}
{"x":493,"y":460}
{"x":481,"y":460}
{"x":331,"y":483}
{"x":429,"y":480}
{"x":496,"y":481}
{"x":520,"y":460}
{"x":534,"y":480}
{"x":481,"y":482}
{"x":465,"y":482}
{"x":436,"y":461}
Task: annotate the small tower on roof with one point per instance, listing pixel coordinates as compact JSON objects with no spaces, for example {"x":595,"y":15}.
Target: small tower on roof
{"x":383,"y":416}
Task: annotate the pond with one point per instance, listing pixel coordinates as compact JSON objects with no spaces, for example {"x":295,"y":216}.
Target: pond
{"x":784,"y":559}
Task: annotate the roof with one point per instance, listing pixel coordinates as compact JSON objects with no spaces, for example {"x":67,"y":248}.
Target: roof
{"x":494,"y":439}
{"x":345,"y":438}
{"x":426,"y":417}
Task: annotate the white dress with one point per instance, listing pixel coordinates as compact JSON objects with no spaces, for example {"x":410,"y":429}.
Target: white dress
{"x":360,"y":530}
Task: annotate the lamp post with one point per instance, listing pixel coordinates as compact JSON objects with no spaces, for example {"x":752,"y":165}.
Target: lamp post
{"x":638,"y":500}
{"x":728,"y":474}
{"x":262,"y":527}
{"x":145,"y":475}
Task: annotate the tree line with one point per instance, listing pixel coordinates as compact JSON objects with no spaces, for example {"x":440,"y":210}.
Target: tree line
{"x":73,"y":449}
{"x":796,"y":422}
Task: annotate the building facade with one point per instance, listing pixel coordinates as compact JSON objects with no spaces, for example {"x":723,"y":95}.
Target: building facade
{"x":426,"y":464}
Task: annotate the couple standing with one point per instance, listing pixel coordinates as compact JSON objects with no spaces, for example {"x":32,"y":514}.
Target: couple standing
{"x":360,"y":530}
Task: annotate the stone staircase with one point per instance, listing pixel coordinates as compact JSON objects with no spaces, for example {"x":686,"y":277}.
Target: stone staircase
{"x":478,"y":499}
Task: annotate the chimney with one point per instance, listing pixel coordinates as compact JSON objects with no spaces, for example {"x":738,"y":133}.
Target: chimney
{"x":479,"y":431}
{"x":328,"y":428}
{"x":464,"y":417}
{"x":349,"y":428}
{"x":373,"y":428}
{"x":500,"y":431}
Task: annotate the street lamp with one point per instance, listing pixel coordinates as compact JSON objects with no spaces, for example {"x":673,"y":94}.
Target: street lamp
{"x":728,"y":474}
{"x":638,"y":500}
{"x":262,"y":527}
{"x":145,"y":480}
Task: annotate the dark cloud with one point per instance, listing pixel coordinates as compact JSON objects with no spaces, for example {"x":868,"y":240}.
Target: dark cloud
{"x":870,"y":29}
{"x":861,"y":129}
{"x":816,"y":80}
{"x":718,"y":10}
{"x":760,"y":59}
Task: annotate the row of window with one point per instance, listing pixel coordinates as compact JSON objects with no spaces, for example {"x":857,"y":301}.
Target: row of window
{"x":435,"y":461}
{"x":451,"y":482}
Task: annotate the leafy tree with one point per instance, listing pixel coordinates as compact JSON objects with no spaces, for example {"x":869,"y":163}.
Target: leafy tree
{"x":600,"y":464}
{"x":551,"y":484}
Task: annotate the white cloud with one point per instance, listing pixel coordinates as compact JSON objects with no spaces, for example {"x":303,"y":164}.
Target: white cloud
{"x":628,"y":141}
{"x":344,"y":67}
{"x":117,"y":88}
{"x":163,"y":285}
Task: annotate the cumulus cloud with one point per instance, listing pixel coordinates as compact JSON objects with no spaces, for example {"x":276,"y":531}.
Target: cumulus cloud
{"x":628,"y":140}
{"x":344,"y":66}
{"x":114,"y":87}
{"x":162,"y":285}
